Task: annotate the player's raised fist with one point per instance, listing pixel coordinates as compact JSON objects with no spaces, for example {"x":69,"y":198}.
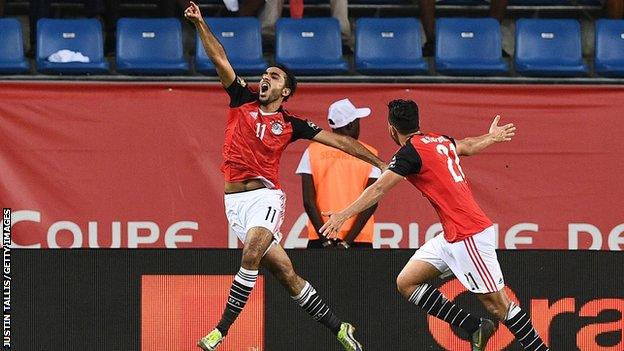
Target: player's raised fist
{"x":192,"y":13}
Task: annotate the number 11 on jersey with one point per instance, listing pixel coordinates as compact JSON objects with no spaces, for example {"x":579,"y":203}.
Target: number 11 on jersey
{"x":260,"y":128}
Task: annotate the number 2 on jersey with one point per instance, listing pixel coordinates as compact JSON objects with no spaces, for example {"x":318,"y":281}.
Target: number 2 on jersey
{"x":452,"y":161}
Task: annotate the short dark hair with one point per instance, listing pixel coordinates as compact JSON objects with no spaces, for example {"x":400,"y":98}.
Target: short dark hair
{"x":403,"y":116}
{"x":291,"y":80}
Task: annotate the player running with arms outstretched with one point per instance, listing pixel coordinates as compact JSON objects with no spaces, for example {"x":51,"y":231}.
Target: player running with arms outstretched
{"x":467,"y":246}
{"x":257,"y":132}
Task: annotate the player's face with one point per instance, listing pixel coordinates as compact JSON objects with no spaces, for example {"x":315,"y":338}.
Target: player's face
{"x":394,"y":134}
{"x":272,"y":85}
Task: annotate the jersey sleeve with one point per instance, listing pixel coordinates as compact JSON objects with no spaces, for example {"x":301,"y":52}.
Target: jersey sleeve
{"x":451,"y":139}
{"x":406,"y":161}
{"x":304,"y":165}
{"x":303,"y":129}
{"x":240,"y":93}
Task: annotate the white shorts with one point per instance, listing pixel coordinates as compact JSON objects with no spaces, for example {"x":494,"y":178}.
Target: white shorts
{"x":256,"y":208}
{"x":472,"y":260}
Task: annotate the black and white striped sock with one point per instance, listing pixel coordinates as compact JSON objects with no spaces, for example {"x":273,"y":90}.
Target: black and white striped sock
{"x":244,"y":282}
{"x":312,"y":303}
{"x":436,"y":304}
{"x":519,"y":323}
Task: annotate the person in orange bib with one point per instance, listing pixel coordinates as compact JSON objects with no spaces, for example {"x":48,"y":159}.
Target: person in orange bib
{"x":331,"y":179}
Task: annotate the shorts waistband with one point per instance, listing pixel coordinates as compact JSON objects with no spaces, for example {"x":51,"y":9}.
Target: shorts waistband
{"x":250,"y":192}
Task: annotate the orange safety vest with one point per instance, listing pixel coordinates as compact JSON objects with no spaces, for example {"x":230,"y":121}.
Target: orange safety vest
{"x":339,"y":179}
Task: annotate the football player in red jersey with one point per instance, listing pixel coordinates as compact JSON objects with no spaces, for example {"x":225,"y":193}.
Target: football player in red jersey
{"x":258,"y":130}
{"x":467,"y":245}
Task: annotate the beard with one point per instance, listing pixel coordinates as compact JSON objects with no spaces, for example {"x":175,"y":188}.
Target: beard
{"x":272,"y":97}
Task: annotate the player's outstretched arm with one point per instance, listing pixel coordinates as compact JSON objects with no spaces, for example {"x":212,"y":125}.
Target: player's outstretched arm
{"x":213,"y":47}
{"x":350,"y":146}
{"x":368,"y":198}
{"x":360,"y":219}
{"x":497,"y":134}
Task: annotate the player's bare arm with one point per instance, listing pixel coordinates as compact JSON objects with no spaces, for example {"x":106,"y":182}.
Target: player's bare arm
{"x":350,"y":146}
{"x":213,"y":47}
{"x":360,"y":219}
{"x":368,"y":198}
{"x":496,"y":134}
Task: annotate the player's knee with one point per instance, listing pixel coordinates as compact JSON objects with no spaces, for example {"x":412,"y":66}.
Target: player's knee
{"x":405,"y":286}
{"x":251,"y":259}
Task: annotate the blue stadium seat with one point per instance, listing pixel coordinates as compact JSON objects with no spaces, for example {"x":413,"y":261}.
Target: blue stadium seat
{"x":388,"y":46}
{"x":469,"y":46}
{"x":549,"y":47}
{"x":609,"y":60}
{"x":240,"y":36}
{"x":150,"y":46}
{"x":310,"y":45}
{"x":12,"y":59}
{"x":78,"y":35}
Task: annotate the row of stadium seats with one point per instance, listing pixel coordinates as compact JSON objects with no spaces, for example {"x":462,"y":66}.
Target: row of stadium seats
{"x":312,"y":46}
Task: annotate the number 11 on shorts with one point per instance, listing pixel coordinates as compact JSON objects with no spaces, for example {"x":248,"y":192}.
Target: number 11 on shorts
{"x":271,"y":212}
{"x":471,"y":280}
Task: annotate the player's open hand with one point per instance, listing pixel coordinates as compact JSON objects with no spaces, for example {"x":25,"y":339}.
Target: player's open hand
{"x":193,"y":14}
{"x":334,"y":223}
{"x":501,"y":133}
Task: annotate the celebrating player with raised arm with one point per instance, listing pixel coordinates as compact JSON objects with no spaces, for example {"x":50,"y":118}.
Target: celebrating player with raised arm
{"x":257,"y":132}
{"x":467,"y":246}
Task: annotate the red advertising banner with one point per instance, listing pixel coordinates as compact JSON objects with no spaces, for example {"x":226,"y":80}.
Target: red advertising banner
{"x":542,"y":313}
{"x":177,"y":310}
{"x":137,"y":164}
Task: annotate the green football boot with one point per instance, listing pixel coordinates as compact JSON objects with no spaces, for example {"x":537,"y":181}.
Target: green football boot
{"x":345,"y":336}
{"x":211,"y":341}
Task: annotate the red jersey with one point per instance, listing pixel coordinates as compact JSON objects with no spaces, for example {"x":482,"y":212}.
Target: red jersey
{"x":430,"y":162}
{"x":254,"y":141}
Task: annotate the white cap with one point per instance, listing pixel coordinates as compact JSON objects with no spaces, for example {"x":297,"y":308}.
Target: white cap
{"x":342,"y":112}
